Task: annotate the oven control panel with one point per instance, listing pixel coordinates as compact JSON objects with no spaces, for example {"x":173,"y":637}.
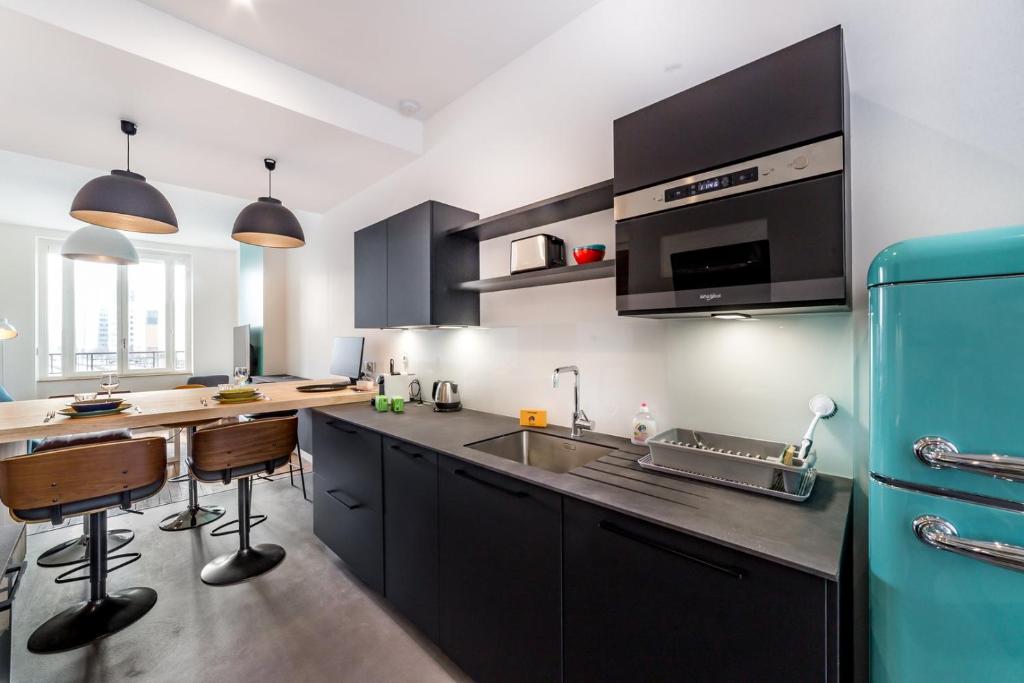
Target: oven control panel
{"x":747,"y":175}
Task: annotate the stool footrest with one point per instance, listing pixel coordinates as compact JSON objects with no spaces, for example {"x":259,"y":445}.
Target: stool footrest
{"x":254,"y":520}
{"x":127,"y":557}
{"x":76,"y":550}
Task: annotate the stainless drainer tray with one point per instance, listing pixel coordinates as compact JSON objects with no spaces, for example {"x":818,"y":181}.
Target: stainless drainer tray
{"x":736,"y":461}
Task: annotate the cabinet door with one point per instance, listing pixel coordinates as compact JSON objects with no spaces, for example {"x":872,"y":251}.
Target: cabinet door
{"x":348,"y":496}
{"x":500,"y":565}
{"x":371,"y":276}
{"x":410,"y":533}
{"x":643,"y":603}
{"x":408,"y":278}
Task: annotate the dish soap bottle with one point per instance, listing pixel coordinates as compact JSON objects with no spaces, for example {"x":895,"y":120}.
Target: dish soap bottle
{"x":643,"y":426}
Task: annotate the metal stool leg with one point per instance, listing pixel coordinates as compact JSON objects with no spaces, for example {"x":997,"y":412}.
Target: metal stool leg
{"x":302,"y":473}
{"x":249,"y":560}
{"x":76,"y":550}
{"x":103,"y":613}
{"x":195,"y":515}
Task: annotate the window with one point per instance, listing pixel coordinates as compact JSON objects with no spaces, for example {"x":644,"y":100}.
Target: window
{"x":96,"y":318}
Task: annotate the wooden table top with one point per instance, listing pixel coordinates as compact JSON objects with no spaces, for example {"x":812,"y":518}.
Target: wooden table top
{"x":20,"y":420}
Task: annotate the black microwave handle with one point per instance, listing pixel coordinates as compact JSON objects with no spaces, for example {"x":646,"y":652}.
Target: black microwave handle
{"x":718,"y":269}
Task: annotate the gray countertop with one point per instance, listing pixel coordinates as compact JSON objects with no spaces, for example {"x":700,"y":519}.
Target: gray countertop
{"x":807,"y":536}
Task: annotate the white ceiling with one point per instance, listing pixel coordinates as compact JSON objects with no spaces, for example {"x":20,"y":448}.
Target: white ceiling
{"x":217,"y":85}
{"x":431,"y":51}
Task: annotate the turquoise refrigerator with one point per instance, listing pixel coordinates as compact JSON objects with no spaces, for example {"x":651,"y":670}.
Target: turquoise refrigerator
{"x":946,"y":490}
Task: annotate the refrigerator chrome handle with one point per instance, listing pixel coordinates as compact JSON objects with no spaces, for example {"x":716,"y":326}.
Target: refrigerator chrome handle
{"x":940,"y":534}
{"x":940,"y":453}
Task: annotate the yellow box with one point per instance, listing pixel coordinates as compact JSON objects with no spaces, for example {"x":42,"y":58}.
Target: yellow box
{"x":533,"y":418}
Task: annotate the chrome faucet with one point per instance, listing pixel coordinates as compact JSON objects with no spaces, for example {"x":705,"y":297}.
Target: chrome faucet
{"x":580,"y":421}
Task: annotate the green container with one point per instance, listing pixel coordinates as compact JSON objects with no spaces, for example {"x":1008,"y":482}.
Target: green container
{"x":398,"y":404}
{"x":383,"y":404}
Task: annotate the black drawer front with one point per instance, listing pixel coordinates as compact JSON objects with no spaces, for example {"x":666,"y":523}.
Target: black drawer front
{"x":646,"y":603}
{"x":348,"y":457}
{"x":410,"y":527}
{"x":352,"y":528}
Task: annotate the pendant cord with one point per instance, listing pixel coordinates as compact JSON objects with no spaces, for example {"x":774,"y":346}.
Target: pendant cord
{"x":128,"y":155}
{"x":270,"y":178}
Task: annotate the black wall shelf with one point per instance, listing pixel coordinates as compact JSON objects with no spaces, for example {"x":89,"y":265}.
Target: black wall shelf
{"x":586,"y":200}
{"x":539,"y":278}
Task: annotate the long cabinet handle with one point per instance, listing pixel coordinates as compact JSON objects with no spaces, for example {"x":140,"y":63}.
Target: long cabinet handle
{"x":940,"y":453}
{"x":938,"y":533}
{"x":483,"y":482}
{"x":411,"y":454}
{"x":337,"y":425}
{"x":614,"y":528}
{"x":345,"y":499}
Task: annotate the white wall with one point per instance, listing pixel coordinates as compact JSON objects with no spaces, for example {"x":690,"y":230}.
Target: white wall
{"x":214,"y":285}
{"x":930,"y":137}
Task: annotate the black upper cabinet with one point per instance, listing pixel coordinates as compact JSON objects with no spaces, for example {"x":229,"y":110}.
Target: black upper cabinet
{"x":410,"y":532}
{"x":371,"y":270}
{"x":643,"y":603}
{"x":500,"y":574}
{"x":407,"y":267}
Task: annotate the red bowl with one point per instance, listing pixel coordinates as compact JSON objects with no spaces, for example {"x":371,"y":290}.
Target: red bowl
{"x":587,"y":255}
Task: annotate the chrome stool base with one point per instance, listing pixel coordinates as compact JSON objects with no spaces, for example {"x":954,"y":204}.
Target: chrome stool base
{"x":242,"y":564}
{"x":76,"y":550}
{"x":192,"y":518}
{"x":90,"y":620}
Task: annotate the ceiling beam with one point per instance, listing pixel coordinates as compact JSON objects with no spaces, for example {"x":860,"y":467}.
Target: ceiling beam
{"x":139,"y":29}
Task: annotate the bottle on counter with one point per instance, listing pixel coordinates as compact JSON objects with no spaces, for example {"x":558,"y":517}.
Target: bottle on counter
{"x":643,"y":426}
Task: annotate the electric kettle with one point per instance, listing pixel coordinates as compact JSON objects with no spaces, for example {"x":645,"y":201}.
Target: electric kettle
{"x":446,"y":397}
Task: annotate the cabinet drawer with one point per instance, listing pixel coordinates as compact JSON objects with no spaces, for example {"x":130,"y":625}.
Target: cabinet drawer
{"x":348,"y":457}
{"x":352,"y":528}
{"x":410,"y":530}
{"x":646,"y":603}
{"x":500,"y":574}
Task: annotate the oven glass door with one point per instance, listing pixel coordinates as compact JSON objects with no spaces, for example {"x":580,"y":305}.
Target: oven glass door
{"x":780,"y":246}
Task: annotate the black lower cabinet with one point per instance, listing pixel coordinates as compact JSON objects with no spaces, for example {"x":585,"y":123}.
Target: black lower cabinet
{"x":643,"y":603}
{"x":500,"y":575}
{"x":410,"y":530}
{"x":348,"y":497}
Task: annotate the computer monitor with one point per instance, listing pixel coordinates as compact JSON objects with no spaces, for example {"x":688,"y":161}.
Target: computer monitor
{"x":347,"y":357}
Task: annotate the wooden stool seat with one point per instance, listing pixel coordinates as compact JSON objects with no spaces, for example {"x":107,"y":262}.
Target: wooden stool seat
{"x":86,"y":479}
{"x":238,"y":451}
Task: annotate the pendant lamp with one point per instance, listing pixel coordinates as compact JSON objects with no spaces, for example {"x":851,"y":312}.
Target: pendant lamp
{"x":99,"y":245}
{"x":266,"y":222}
{"x":7,"y":330}
{"x":124,"y":200}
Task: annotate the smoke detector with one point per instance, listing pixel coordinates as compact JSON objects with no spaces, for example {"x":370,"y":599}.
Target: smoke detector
{"x":408,"y":107}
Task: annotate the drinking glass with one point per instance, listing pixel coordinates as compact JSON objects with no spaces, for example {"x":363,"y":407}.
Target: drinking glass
{"x":110,"y":383}
{"x":241,"y":375}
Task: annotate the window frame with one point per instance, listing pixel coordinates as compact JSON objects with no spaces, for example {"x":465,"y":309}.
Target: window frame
{"x":68,"y":372}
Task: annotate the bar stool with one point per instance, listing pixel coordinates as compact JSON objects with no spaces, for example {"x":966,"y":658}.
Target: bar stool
{"x":194,"y":515}
{"x":89,"y":480}
{"x":238,"y":451}
{"x":76,"y":550}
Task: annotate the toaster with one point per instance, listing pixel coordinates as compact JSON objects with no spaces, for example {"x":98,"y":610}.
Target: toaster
{"x":537,"y":252}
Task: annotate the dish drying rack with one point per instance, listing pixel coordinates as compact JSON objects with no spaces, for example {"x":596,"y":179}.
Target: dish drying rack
{"x":767,"y":467}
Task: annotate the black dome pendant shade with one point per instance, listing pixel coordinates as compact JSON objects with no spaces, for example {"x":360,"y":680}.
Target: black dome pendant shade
{"x":124,"y":200}
{"x":267,"y":223}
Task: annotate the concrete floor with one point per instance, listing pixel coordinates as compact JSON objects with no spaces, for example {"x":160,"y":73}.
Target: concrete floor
{"x":307,"y":620}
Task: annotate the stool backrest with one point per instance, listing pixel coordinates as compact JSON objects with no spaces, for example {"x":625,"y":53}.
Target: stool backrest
{"x":76,"y":473}
{"x":245,"y":443}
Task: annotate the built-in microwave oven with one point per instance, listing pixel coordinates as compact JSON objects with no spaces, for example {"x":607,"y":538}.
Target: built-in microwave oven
{"x":764,"y":230}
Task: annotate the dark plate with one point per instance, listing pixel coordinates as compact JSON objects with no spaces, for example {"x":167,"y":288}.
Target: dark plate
{"x":95,"y":405}
{"x":319,"y":388}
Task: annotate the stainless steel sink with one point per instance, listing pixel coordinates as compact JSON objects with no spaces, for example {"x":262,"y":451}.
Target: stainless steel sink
{"x":551,"y":453}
